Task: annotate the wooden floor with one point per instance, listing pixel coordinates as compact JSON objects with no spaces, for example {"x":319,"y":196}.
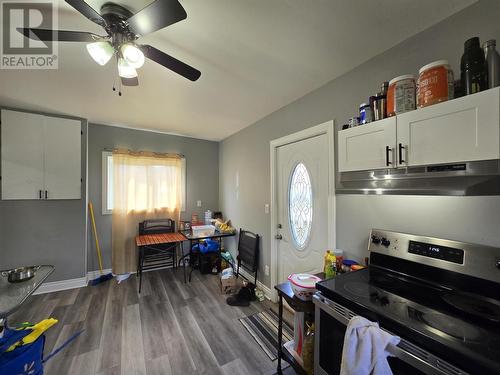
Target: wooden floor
{"x":170,"y":328}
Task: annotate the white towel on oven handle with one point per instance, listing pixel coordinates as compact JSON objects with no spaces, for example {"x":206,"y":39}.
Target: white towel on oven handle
{"x":365,"y":348}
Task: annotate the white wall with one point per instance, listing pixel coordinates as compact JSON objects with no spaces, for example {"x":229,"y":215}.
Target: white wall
{"x":246,"y":153}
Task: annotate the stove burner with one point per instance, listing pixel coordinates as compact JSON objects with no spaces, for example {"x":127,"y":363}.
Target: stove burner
{"x":360,"y":289}
{"x":484,"y":307}
{"x":455,"y":328}
{"x":389,"y":282}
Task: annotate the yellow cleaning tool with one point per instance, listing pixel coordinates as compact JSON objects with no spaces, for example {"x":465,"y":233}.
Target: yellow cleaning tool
{"x":94,"y":229}
{"x":36,"y":331}
{"x":103,"y":277}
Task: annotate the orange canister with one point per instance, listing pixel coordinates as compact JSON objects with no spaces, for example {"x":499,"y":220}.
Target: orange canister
{"x":435,"y":83}
{"x":401,"y":94}
{"x":357,"y":267}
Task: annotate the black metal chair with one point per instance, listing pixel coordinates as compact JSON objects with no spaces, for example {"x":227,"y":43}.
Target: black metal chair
{"x":162,"y":255}
{"x":248,"y":253}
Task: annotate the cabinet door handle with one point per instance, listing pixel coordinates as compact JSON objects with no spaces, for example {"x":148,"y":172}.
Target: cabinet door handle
{"x":39,"y":194}
{"x":387,"y":152}
{"x":46,"y":194}
{"x":401,"y":148}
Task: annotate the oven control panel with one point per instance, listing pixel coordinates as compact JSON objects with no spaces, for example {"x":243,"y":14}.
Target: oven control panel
{"x":449,"y":254}
{"x":393,"y":244}
{"x":463,"y":257}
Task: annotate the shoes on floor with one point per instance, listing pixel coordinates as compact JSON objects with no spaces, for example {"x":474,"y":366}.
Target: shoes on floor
{"x":243,"y":297}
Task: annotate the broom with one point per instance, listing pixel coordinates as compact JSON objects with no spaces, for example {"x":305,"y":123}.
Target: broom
{"x":103,"y":277}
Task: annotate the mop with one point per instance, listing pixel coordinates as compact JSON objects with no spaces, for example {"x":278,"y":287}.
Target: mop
{"x":103,"y":277}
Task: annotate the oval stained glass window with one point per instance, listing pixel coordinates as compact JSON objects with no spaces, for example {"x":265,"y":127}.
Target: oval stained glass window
{"x":300,"y":205}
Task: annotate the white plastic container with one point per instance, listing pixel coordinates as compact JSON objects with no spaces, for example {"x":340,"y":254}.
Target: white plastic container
{"x":303,"y":285}
{"x":203,"y":230}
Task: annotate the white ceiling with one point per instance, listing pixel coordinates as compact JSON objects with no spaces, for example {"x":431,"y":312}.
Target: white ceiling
{"x":255,"y":56}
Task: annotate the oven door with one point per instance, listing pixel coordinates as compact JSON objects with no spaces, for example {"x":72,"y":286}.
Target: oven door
{"x":331,"y":323}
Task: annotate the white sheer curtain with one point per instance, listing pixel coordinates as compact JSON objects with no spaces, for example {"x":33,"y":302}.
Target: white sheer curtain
{"x":146,"y":186}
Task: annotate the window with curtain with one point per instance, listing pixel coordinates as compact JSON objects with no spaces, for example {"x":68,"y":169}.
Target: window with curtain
{"x":107,"y":183}
{"x":145,"y":186}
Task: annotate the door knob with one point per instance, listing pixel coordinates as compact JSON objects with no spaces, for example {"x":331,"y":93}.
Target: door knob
{"x":278,"y":237}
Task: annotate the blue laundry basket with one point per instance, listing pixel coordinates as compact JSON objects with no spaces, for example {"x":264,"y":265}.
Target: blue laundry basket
{"x":25,"y":360}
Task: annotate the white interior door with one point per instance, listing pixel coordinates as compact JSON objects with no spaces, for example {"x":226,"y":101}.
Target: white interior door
{"x":302,"y":203}
{"x":22,"y":155}
{"x":62,"y":158}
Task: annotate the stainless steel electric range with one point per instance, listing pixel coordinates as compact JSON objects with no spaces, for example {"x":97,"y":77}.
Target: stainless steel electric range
{"x":441,"y":297}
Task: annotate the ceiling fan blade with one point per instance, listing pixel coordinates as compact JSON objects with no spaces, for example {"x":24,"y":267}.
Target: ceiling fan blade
{"x":59,"y":35}
{"x":170,"y":62}
{"x":156,"y":16}
{"x":85,"y":9}
{"x":130,"y":81}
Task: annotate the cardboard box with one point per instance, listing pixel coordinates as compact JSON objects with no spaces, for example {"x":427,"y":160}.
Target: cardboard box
{"x":229,"y":285}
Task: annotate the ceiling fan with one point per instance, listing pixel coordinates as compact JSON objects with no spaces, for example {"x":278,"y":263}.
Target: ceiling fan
{"x":123,"y":29}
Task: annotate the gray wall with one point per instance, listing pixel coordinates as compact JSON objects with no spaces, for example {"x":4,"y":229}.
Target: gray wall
{"x":202,"y":171}
{"x":45,"y":232}
{"x":474,"y":219}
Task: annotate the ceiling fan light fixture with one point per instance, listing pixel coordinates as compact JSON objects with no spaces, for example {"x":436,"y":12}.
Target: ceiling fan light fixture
{"x":125,"y":70}
{"x":132,"y":55}
{"x":101,"y":52}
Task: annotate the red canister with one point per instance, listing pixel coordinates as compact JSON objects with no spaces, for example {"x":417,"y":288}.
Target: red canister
{"x":435,"y":83}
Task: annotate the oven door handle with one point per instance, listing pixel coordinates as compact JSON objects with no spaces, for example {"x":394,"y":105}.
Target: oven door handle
{"x":401,"y":351}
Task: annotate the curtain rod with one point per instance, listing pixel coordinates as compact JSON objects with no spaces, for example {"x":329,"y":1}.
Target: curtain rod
{"x":145,"y":153}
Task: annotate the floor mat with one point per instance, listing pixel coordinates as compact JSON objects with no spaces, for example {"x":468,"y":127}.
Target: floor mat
{"x":263,"y":327}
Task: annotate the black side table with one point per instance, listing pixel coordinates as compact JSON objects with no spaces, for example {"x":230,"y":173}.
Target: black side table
{"x":285,"y":292}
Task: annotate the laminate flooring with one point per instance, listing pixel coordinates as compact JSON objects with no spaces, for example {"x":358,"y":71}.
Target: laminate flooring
{"x":171,"y":328}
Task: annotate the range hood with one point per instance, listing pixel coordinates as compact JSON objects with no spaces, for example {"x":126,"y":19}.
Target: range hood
{"x":457,"y":179}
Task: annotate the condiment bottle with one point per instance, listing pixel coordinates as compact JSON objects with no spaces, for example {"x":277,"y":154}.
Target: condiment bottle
{"x":493,"y":63}
{"x":473,"y":67}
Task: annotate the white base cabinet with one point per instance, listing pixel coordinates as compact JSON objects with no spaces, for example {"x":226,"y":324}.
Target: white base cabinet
{"x":459,"y":130}
{"x":41,"y":156}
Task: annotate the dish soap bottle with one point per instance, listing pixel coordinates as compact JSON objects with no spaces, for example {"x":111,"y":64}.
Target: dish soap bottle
{"x":493,"y":63}
{"x":473,"y":67}
{"x":330,"y":265}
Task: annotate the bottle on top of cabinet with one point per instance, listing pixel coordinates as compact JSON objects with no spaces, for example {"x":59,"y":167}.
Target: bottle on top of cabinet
{"x":473,"y":67}
{"x":493,"y":63}
{"x":379,"y":102}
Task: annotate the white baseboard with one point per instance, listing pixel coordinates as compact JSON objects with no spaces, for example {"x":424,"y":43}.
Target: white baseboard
{"x":264,"y":288}
{"x":55,"y":286}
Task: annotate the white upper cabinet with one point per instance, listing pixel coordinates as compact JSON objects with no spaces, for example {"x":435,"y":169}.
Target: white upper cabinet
{"x":459,"y":130}
{"x":22,"y":155}
{"x":366,"y":147}
{"x":62,"y":158}
{"x":41,"y":156}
